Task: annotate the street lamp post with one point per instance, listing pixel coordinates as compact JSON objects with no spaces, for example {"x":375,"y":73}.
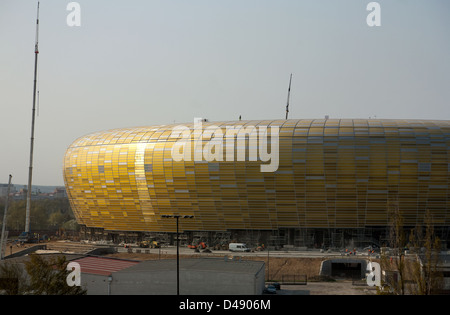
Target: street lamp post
{"x":109,"y":284}
{"x":178,"y":244}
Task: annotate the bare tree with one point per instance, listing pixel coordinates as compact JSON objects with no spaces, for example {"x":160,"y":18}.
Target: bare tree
{"x":397,"y":240}
{"x":427,"y":276}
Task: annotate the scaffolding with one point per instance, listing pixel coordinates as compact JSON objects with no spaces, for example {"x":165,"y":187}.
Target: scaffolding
{"x":296,"y":238}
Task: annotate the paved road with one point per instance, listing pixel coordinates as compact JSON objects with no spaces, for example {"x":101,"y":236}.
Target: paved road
{"x":279,"y":253}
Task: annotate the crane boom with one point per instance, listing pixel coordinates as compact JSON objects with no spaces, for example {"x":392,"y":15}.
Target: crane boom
{"x":289,"y":94}
{"x":30,"y":168}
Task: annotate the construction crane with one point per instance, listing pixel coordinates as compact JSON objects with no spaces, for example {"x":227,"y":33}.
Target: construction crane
{"x":30,"y":169}
{"x":289,"y":94}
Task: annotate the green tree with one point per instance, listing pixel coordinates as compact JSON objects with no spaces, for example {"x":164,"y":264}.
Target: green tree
{"x":16,"y":215}
{"x":56,"y":219}
{"x":46,"y":214}
{"x":39,"y":216}
{"x":48,"y":276}
{"x":12,"y":278}
{"x":71,"y":225}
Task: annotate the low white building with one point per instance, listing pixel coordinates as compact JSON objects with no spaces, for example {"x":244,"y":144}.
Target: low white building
{"x":202,"y":276}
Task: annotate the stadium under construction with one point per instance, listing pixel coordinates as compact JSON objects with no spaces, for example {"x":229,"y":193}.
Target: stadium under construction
{"x":328,"y":182}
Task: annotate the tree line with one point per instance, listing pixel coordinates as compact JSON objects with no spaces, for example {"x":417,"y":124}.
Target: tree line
{"x":37,"y":276}
{"x":45,"y":215}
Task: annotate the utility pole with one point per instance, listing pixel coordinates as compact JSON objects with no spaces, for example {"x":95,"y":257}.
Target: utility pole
{"x":30,"y":169}
{"x":4,"y":237}
{"x":178,"y":244}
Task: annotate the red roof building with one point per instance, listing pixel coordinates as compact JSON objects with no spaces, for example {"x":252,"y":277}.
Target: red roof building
{"x":103,"y":266}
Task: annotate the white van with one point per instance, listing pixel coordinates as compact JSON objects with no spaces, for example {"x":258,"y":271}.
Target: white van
{"x":238,"y":247}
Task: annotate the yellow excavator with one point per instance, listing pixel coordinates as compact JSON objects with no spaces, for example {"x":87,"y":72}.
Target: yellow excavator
{"x":149,"y":244}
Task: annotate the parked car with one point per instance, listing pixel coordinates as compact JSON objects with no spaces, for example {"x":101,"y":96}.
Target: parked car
{"x":276,"y":285}
{"x":28,"y":237}
{"x":238,"y":247}
{"x":270,"y":289}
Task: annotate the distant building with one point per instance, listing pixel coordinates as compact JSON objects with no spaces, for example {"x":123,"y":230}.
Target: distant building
{"x":37,"y":193}
{"x":4,"y":190}
{"x":60,"y":192}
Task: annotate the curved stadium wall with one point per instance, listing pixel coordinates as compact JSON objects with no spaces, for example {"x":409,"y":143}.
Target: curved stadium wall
{"x":335,"y":173}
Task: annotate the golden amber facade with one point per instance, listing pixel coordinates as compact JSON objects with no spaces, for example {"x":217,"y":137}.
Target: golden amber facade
{"x":334,"y":173}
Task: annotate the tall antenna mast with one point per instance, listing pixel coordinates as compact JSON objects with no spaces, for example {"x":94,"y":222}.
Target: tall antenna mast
{"x":30,"y":169}
{"x":289,"y":93}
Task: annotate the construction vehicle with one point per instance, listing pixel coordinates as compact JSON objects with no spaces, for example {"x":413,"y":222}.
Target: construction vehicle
{"x":155,"y":244}
{"x":260,"y":247}
{"x":200,"y":245}
{"x":149,"y":244}
{"x":28,"y":237}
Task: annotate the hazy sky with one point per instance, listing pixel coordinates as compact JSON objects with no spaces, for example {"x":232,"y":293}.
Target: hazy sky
{"x":136,"y":63}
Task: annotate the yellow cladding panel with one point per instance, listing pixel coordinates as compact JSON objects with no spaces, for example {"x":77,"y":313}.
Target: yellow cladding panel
{"x":335,"y":173}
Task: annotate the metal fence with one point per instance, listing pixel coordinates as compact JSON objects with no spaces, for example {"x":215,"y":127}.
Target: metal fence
{"x":294,"y":279}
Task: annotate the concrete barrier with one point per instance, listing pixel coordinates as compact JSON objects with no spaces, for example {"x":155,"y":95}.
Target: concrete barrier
{"x":26,"y":251}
